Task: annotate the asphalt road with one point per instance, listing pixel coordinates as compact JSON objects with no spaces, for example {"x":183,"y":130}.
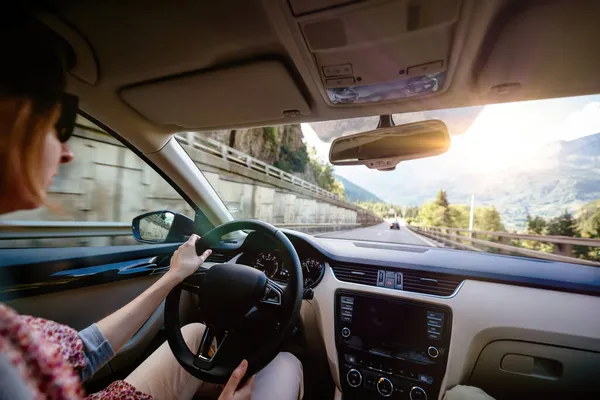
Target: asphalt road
{"x":379,"y":233}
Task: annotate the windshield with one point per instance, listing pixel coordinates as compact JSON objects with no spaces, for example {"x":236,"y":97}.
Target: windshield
{"x":513,"y":170}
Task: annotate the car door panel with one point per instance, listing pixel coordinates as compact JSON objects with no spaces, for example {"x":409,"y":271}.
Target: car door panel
{"x":80,"y":286}
{"x":33,"y":272}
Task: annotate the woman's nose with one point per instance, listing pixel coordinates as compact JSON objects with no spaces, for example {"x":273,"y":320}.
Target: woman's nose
{"x":66,"y":154}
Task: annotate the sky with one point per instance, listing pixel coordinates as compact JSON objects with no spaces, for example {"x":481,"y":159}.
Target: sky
{"x":493,"y":137}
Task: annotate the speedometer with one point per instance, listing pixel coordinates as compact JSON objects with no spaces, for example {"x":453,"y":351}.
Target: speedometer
{"x":311,"y":271}
{"x":268,"y":263}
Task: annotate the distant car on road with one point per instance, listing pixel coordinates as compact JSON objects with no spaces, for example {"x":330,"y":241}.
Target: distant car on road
{"x":395,"y":225}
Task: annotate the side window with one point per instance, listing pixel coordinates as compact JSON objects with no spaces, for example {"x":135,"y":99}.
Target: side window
{"x":94,"y":197}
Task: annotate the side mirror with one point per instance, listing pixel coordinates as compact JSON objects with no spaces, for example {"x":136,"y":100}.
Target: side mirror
{"x":162,"y":227}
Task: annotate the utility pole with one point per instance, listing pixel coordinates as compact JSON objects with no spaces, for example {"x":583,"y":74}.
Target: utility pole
{"x":472,"y":215}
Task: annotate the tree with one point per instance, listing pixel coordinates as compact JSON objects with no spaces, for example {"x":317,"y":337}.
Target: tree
{"x":292,"y":161}
{"x":324,"y":176}
{"x":488,"y":219}
{"x":411,"y":212}
{"x":442,"y":199}
{"x":459,"y":215}
{"x":588,"y":220}
{"x":563,"y":225}
{"x":536,"y":225}
{"x":431,"y":214}
{"x":442,"y":202}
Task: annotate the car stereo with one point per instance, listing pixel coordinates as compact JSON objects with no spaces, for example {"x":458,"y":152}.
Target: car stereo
{"x":390,"y":348}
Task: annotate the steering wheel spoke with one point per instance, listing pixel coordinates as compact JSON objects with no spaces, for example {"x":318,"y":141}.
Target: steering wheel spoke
{"x":208,"y":349}
{"x":273,"y":294}
{"x":194,"y":282}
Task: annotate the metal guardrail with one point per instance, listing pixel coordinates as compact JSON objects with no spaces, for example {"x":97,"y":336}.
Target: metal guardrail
{"x":221,"y":150}
{"x":457,"y":237}
{"x":20,"y":230}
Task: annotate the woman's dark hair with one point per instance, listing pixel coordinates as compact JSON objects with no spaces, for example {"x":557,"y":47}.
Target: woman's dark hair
{"x":35,"y":60}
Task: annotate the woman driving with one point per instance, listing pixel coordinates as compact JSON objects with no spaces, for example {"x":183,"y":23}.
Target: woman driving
{"x":43,"y":359}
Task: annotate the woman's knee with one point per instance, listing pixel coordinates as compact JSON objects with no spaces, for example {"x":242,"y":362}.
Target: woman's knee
{"x":192,"y":334}
{"x":287,"y":363}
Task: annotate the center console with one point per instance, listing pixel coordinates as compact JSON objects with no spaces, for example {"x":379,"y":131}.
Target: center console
{"x":390,"y":348}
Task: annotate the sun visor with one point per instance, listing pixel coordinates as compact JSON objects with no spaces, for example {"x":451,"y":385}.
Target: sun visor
{"x":244,"y":94}
{"x":542,"y":50}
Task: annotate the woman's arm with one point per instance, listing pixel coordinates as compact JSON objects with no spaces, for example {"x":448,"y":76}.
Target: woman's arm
{"x":121,"y":325}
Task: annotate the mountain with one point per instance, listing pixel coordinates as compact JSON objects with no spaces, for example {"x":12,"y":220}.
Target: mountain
{"x":355,"y":192}
{"x":543,"y":181}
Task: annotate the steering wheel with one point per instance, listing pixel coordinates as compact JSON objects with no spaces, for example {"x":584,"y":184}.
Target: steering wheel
{"x":231,"y":296}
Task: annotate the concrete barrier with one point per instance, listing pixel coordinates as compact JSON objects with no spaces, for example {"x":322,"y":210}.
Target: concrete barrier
{"x":107,"y":182}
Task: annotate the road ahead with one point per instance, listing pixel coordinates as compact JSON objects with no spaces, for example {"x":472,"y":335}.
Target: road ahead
{"x":379,"y":233}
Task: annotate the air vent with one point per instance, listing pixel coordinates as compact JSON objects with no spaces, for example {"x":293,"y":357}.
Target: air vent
{"x":413,"y":281}
{"x":221,"y":255}
{"x":367,"y":275}
{"x":427,"y":283}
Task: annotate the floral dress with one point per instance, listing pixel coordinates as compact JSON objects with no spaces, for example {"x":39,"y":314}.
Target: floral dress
{"x":50,"y":359}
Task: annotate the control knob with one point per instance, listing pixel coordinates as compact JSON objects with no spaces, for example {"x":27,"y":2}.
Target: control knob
{"x":433,"y":352}
{"x":354,"y":378}
{"x":385,"y":387}
{"x":346,"y":332}
{"x":417,"y":393}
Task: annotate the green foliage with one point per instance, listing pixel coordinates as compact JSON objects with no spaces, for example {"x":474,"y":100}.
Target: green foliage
{"x":536,"y":225}
{"x":324,"y":175}
{"x":432,"y":214}
{"x":442,"y":199}
{"x":411,"y":212}
{"x":459,"y":214}
{"x":588,"y":221}
{"x":381,"y":209}
{"x":443,"y":214}
{"x":488,"y":219}
{"x":563,"y":225}
{"x":270,"y":136}
{"x":292,"y":161}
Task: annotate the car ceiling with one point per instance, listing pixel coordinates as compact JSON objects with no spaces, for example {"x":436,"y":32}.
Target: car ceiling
{"x":150,"y":70}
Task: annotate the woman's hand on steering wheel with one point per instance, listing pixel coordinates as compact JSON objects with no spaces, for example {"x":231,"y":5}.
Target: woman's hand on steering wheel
{"x":185,"y":261}
{"x":231,"y":391}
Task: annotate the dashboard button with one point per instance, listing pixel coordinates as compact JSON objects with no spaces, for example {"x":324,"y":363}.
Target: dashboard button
{"x":433,"y":352}
{"x":390,"y":279}
{"x":346,"y":319}
{"x":380,"y":277}
{"x":354,"y":378}
{"x":385,"y":387}
{"x":346,"y":332}
{"x":434,"y":322}
{"x":425,"y":379}
{"x":417,"y":393}
{"x":435,"y":315}
{"x":434,"y":329}
{"x":350,"y":358}
{"x":398,"y":280}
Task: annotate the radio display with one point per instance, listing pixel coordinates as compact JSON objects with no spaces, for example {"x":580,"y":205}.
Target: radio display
{"x":390,"y":326}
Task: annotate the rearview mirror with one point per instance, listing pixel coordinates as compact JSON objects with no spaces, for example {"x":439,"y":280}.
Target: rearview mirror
{"x":386,"y":146}
{"x":162,"y":227}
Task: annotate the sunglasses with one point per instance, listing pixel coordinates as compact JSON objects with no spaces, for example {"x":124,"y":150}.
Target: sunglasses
{"x":66,"y":122}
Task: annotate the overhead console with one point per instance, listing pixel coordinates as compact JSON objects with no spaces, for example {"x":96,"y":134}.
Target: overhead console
{"x":375,"y":51}
{"x":390,"y":348}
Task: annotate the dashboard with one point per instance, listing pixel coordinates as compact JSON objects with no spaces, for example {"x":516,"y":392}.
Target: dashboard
{"x":402,"y":321}
{"x":261,"y":253}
